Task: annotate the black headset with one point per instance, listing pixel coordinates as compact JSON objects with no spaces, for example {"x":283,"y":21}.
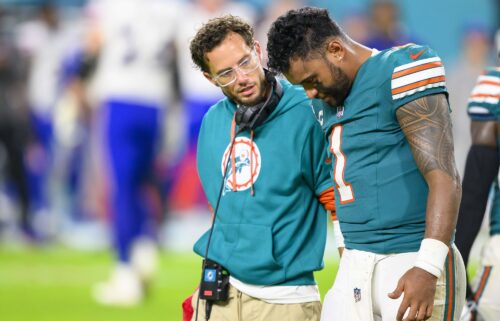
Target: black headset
{"x":249,"y":117}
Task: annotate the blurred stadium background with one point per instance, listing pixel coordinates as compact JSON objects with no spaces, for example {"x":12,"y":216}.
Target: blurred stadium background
{"x":54,"y":239}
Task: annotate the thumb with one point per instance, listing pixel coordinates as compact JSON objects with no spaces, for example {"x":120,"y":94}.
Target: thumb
{"x":397,"y":292}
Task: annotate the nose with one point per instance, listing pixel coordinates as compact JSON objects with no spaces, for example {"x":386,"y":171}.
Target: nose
{"x":240,"y":76}
{"x":311,"y":92}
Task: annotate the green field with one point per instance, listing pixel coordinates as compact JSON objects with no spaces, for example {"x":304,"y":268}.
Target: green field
{"x":54,"y":284}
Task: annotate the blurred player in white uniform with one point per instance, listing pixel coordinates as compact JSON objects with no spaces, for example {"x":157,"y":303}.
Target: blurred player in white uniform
{"x":45,"y":41}
{"x":131,"y":40}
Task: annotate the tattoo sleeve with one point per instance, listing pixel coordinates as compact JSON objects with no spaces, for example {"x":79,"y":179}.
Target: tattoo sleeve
{"x":427,"y":125}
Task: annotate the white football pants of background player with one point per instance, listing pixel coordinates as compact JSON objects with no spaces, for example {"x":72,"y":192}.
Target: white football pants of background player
{"x":486,"y":285}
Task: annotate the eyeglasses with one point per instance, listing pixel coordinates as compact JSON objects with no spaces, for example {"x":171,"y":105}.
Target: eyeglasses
{"x":245,"y":67}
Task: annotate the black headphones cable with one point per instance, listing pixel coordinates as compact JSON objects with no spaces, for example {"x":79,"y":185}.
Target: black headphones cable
{"x":208,"y":305}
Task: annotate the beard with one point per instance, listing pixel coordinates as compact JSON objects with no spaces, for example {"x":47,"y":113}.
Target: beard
{"x":335,"y":94}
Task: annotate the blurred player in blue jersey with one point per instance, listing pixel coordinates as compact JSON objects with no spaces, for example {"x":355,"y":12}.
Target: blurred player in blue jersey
{"x":44,"y":88}
{"x":386,"y":117}
{"x":132,"y":86}
{"x":481,"y":172}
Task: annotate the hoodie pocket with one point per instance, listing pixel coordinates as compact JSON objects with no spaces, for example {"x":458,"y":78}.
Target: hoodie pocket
{"x":252,"y":259}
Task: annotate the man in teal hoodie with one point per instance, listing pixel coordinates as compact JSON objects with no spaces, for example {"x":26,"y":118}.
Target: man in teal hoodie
{"x":270,"y":225}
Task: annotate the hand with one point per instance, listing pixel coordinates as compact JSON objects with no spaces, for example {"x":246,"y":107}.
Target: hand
{"x":419,"y":287}
{"x":341,"y":250}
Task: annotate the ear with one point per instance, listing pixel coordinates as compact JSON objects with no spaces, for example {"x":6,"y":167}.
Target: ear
{"x":336,"y":49}
{"x":209,"y":77}
{"x":258,"y":49}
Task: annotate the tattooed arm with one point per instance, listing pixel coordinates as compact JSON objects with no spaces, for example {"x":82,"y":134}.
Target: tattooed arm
{"x":427,"y":126}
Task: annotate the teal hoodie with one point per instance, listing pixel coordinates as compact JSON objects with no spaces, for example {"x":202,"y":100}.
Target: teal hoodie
{"x":270,"y":227}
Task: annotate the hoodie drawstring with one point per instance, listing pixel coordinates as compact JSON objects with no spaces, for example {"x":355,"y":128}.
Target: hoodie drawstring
{"x":252,"y":192}
{"x":233,"y":157}
{"x":233,"y":162}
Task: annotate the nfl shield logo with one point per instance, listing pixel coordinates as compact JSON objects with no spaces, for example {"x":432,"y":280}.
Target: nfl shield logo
{"x":357,"y":294}
{"x":340,"y":111}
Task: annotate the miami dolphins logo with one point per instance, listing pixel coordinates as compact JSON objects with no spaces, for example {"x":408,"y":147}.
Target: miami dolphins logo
{"x":246,"y":168}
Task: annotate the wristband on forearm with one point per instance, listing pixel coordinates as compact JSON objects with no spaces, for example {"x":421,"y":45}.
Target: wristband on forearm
{"x":339,"y":238}
{"x":431,"y":256}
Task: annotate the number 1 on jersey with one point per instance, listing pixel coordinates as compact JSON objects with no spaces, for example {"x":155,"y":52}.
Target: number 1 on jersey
{"x":345,"y":189}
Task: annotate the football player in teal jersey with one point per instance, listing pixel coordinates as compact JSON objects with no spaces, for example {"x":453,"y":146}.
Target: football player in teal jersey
{"x":269,"y":228}
{"x":386,"y":117}
{"x":481,"y":172}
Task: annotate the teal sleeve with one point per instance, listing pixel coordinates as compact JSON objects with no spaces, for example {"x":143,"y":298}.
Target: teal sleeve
{"x":201,"y":161}
{"x":484,"y":100}
{"x":314,"y":165}
{"x":417,"y":71}
{"x":483,"y":114}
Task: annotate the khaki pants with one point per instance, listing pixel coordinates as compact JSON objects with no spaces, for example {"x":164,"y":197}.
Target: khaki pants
{"x":241,"y":307}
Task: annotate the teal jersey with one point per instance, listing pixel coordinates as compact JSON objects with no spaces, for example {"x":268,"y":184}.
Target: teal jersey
{"x":381,"y":195}
{"x":270,"y":227}
{"x":484,"y":105}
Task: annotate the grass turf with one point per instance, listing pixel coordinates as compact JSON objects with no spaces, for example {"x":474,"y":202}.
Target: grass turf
{"x":55,"y":284}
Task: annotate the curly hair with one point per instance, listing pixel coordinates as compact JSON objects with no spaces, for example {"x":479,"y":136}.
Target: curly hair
{"x":213,"y":33}
{"x":297,"y":34}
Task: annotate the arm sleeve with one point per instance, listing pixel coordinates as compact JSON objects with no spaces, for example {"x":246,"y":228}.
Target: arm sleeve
{"x":203,"y":154}
{"x":481,"y":169}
